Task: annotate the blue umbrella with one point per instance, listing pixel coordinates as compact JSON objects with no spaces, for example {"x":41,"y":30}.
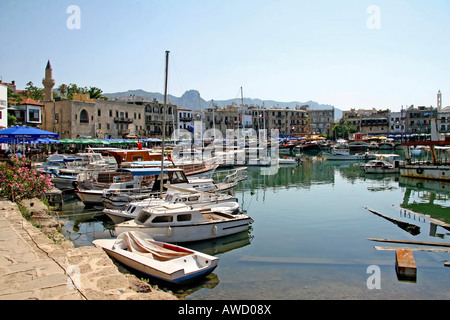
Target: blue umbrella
{"x":25,"y":133}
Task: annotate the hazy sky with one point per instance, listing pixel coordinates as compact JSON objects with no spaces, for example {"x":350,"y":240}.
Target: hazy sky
{"x":350,"y":54}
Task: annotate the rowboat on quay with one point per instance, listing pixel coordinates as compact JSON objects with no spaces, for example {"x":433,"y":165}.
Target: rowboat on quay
{"x":163,"y":261}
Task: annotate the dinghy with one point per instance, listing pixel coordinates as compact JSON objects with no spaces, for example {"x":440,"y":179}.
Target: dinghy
{"x":160,"y":260}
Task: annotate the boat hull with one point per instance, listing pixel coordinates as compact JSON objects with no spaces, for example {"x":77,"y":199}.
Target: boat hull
{"x":90,"y":197}
{"x":432,"y":172}
{"x":331,"y":156}
{"x":188,"y":233}
{"x":187,"y":269}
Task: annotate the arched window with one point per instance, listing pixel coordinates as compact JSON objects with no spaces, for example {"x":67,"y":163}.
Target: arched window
{"x":155,"y":109}
{"x":84,"y":116}
{"x":148,"y":108}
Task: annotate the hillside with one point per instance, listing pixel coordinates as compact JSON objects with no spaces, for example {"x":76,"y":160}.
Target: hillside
{"x":190,"y":100}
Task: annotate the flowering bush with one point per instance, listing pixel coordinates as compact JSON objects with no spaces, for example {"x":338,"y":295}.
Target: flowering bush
{"x":20,"y":180}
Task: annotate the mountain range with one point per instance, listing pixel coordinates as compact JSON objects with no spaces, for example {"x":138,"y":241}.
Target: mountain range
{"x":192,"y":100}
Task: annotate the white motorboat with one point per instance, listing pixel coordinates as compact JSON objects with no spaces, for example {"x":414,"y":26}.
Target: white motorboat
{"x":131,"y":187}
{"x":218,"y":202}
{"x":380,"y":166}
{"x":179,"y":222}
{"x":160,"y":260}
{"x":174,"y":177}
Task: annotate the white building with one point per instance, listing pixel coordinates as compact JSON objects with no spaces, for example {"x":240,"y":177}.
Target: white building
{"x":184,"y":118}
{"x":3,"y":107}
{"x":397,"y":122}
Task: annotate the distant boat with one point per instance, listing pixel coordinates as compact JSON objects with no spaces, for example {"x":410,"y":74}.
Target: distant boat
{"x":380,"y":166}
{"x":160,"y":260}
{"x":358,"y":146}
{"x":345,"y":155}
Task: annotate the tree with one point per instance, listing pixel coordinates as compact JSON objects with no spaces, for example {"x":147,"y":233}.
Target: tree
{"x":343,"y":129}
{"x":95,"y":93}
{"x":63,"y":89}
{"x":34,"y":92}
{"x":15,"y":98}
{"x":12,"y":120}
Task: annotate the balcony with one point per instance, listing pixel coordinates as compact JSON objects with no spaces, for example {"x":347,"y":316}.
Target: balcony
{"x":123,"y":120}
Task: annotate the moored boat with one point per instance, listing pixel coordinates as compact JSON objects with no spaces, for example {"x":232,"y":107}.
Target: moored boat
{"x":178,"y":223}
{"x":380,"y":166}
{"x":220,"y":202}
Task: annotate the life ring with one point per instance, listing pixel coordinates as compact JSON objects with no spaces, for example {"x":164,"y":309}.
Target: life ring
{"x":419,"y":170}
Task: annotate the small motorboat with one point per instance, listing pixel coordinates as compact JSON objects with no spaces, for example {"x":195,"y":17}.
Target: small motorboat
{"x":380,"y":166}
{"x":160,"y":260}
{"x":194,"y":198}
{"x":178,"y":222}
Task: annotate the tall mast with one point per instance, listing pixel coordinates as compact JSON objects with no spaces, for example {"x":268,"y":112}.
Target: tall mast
{"x":164,"y":125}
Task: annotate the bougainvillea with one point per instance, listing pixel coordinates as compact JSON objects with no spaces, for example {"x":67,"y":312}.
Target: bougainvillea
{"x":19,"y":180}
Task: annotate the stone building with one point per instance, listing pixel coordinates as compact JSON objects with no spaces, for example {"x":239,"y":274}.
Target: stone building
{"x":418,"y":119}
{"x":83,"y":117}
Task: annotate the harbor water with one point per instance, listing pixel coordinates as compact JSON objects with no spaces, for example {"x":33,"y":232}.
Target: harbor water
{"x":309,"y":239}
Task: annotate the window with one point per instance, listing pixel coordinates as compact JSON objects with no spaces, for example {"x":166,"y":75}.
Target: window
{"x":184,"y":217}
{"x":84,"y":117}
{"x":162,"y":219}
{"x":110,"y":113}
{"x":99,"y":112}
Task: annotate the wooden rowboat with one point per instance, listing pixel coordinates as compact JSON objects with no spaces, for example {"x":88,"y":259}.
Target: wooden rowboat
{"x":160,"y":260}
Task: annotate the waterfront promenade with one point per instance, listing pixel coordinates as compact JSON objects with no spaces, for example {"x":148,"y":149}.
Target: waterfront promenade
{"x":34,"y":267}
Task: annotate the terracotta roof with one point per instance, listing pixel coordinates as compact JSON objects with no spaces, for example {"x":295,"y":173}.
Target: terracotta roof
{"x":28,"y":101}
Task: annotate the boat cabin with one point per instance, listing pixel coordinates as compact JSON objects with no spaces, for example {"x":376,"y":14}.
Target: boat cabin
{"x":177,"y":214}
{"x":172,"y":176}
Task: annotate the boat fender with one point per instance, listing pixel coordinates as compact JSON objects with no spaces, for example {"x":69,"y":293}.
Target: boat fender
{"x":214,"y":230}
{"x":168,"y":232}
{"x":419,"y":170}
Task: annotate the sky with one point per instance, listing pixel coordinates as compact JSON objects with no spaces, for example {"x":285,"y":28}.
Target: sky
{"x":349,"y":54}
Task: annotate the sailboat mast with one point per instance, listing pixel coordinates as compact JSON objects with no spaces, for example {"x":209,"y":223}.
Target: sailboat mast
{"x":164,"y":126}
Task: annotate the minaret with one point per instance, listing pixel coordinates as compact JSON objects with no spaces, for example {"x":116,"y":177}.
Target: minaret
{"x":439,"y":101}
{"x":48,"y":82}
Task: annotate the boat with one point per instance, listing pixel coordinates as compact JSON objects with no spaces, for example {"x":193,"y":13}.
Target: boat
{"x":436,"y":168}
{"x":288,"y":161}
{"x":308,"y":146}
{"x":196,"y":199}
{"x":380,"y":166}
{"x":163,"y":261}
{"x":145,"y":158}
{"x":177,"y":223}
{"x":171,"y":177}
{"x":358,"y":146}
{"x":345,"y":155}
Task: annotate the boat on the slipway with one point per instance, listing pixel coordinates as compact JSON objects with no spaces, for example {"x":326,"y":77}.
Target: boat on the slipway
{"x":163,"y":261}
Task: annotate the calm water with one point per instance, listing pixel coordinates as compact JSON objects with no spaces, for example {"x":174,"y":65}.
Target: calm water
{"x":309,"y":236}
